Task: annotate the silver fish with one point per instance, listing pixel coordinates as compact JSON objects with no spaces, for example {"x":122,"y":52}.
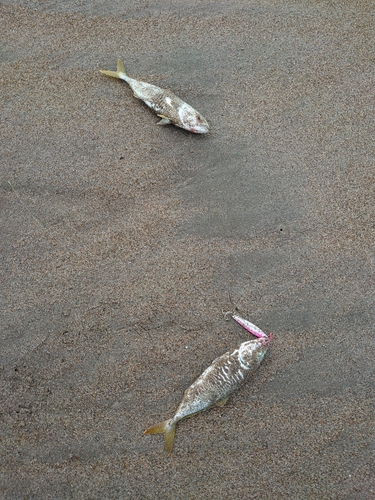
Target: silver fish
{"x":215,"y":385}
{"x":169,"y":107}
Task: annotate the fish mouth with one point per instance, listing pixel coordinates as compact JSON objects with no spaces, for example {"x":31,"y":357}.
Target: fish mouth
{"x":199,"y":130}
{"x":265,"y":341}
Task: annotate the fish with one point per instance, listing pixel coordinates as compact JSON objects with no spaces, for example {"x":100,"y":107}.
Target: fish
{"x":215,"y":385}
{"x":170,"y":108}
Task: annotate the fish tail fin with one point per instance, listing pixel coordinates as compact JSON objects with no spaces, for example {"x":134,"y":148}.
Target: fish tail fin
{"x":120,"y":67}
{"x":168,"y":428}
{"x":120,"y":73}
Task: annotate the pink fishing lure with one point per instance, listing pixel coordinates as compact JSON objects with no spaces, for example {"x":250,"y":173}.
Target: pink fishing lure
{"x":250,"y":327}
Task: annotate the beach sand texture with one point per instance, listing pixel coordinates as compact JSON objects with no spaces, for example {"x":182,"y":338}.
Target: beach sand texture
{"x":122,"y":243}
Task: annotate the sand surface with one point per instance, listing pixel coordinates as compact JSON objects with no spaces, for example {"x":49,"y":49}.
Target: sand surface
{"x":122,"y":243}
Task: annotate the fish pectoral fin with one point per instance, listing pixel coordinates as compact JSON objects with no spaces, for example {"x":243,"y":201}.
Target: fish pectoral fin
{"x":164,"y":120}
{"x":222,"y":401}
{"x":168,"y":428}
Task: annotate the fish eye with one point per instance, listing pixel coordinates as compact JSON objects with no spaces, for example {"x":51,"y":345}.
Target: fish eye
{"x":199,"y":119}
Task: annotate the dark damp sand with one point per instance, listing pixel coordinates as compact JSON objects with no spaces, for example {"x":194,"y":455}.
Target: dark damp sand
{"x":123,"y":242}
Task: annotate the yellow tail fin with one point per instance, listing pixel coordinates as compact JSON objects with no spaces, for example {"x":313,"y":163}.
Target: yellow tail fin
{"x":168,"y":428}
{"x":120,"y":73}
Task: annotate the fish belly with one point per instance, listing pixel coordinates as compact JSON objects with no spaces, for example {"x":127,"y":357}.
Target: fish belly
{"x":163,"y":102}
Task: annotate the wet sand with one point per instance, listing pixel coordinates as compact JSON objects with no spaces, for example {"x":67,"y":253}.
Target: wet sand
{"x":122,"y":243}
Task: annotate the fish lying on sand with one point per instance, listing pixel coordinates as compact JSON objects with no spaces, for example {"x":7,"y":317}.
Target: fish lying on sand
{"x":169,"y":107}
{"x":215,"y":385}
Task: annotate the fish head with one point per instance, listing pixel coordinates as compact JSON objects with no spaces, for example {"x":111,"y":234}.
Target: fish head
{"x":253,"y":351}
{"x":199,"y":125}
{"x":192,"y":120}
